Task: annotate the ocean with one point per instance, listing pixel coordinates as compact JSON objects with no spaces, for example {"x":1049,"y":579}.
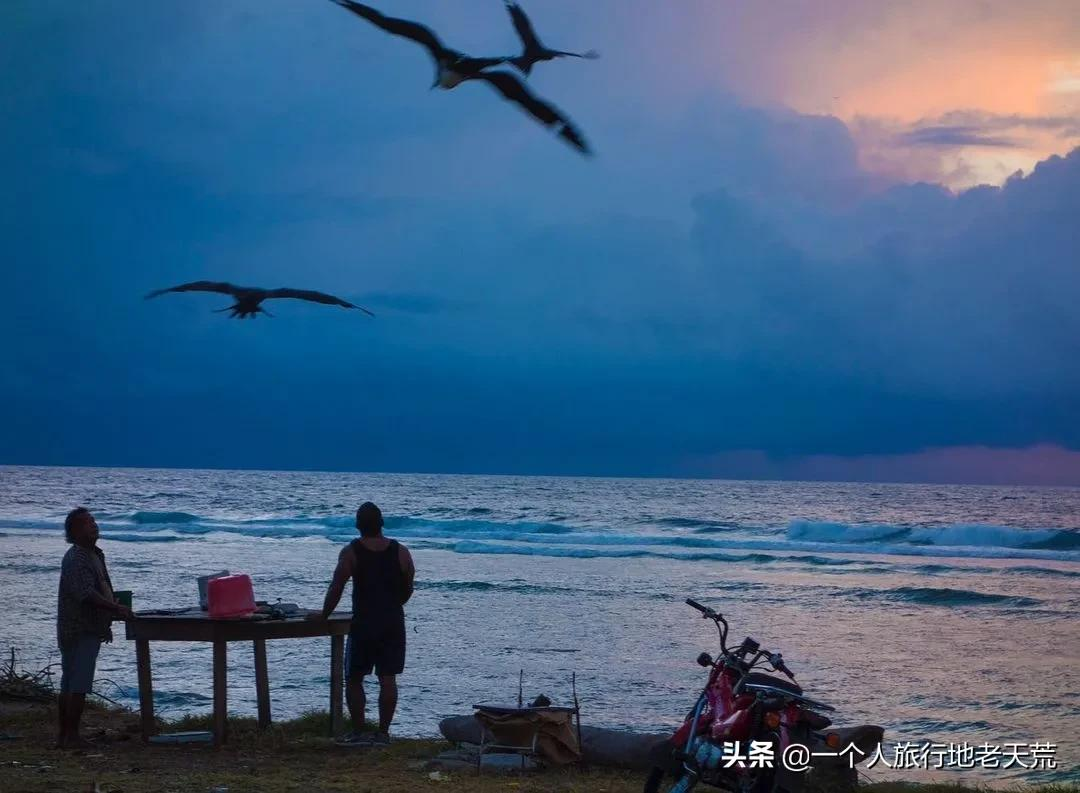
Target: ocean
{"x":944,"y":613}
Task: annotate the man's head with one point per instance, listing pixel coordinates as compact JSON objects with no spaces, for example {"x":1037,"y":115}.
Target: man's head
{"x":369,"y":520}
{"x":80,"y":527}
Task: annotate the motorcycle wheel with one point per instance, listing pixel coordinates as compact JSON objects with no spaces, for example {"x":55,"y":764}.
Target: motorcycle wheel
{"x":664,"y":760}
{"x":654,"y":782}
{"x":766,"y":783}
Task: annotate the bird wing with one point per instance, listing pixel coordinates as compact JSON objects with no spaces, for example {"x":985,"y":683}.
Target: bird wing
{"x":315,"y":297}
{"x":202,"y":286}
{"x":398,"y":27}
{"x":547,"y":114}
{"x":523,"y":27}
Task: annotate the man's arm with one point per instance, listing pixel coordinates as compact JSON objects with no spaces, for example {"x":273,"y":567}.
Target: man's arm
{"x":83,"y":583}
{"x":342,"y":573}
{"x":96,"y":598}
{"x":409,"y":570}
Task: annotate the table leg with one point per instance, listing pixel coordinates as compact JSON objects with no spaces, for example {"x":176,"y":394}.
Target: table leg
{"x":146,"y":687}
{"x":337,"y":679}
{"x":220,"y":693}
{"x":262,"y":684}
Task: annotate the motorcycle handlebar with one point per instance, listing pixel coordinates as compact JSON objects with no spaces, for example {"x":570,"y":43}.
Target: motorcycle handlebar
{"x":778,"y":664}
{"x":705,"y":610}
{"x":696,"y":605}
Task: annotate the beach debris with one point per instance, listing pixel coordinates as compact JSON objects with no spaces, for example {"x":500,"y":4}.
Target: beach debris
{"x":20,"y":684}
{"x":438,"y":776}
{"x":193,"y":736}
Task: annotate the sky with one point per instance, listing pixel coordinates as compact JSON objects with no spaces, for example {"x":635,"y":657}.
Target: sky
{"x":818,"y":240}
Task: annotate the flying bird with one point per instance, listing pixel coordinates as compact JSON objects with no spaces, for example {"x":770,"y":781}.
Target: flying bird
{"x":453,"y":68}
{"x":249,"y":298}
{"x":533,"y":50}
{"x":514,"y":90}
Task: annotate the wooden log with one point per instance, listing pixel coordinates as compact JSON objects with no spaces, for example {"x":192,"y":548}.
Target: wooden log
{"x":337,"y":681}
{"x":262,"y":684}
{"x":220,"y":693}
{"x":146,"y":688}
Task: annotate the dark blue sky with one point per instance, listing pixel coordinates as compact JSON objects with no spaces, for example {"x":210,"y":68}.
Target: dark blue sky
{"x":725,"y":277}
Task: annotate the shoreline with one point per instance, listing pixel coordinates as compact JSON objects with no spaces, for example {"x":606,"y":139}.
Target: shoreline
{"x":290,"y":756}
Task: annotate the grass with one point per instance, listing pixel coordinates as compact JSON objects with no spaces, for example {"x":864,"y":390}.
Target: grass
{"x":294,"y":755}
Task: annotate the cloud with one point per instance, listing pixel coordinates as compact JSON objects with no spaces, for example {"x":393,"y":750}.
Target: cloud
{"x":1043,"y":465}
{"x":954,"y":136}
{"x":962,"y":148}
{"x":726,"y":275}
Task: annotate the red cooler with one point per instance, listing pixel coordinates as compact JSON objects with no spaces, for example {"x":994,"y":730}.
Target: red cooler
{"x":230,"y":596}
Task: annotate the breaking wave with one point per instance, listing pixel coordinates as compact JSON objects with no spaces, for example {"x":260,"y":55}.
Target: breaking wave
{"x":958,"y":536}
{"x":935,"y":596}
{"x":805,"y":542}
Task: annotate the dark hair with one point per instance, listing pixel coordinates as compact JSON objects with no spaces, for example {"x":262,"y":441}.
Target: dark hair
{"x":369,"y":520}
{"x":69,"y":521}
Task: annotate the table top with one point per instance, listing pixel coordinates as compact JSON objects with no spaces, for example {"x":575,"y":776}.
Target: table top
{"x":194,"y":624}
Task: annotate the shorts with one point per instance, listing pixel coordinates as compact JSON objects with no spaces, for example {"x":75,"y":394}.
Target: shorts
{"x":378,"y":648}
{"x":78,"y":660}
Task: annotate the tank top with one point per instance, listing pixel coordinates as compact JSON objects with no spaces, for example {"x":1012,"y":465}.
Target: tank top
{"x":378,"y":585}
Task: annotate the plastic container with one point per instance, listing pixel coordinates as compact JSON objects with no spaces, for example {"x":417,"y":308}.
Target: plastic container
{"x":203,"y":581}
{"x":230,"y":596}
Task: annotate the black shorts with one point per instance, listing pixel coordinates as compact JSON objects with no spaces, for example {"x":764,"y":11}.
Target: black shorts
{"x":375,"y":647}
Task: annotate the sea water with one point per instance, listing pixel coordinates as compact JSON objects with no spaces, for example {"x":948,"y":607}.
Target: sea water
{"x":946,"y":614}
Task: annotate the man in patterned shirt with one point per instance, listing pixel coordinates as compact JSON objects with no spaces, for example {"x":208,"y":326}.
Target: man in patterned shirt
{"x":85,"y":611}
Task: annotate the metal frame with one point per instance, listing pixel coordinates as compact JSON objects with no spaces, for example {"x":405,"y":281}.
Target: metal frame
{"x":487,"y":738}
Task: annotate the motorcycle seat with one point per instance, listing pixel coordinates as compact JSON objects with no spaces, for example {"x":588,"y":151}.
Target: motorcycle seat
{"x":763,"y":679}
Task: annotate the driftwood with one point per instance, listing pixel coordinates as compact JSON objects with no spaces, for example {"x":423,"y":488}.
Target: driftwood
{"x":640,"y":751}
{"x":599,"y":746}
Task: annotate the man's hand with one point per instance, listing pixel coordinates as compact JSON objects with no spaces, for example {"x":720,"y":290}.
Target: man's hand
{"x":123,"y":612}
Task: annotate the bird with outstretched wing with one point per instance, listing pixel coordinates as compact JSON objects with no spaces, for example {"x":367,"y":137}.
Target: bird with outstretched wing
{"x":546,"y":113}
{"x":451,"y":66}
{"x":454,"y":68}
{"x":249,"y":298}
{"x":533,"y":50}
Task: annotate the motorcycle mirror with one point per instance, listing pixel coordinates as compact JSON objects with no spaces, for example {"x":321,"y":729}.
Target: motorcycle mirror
{"x":705,"y":660}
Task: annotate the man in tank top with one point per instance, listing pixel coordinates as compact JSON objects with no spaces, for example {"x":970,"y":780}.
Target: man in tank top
{"x":382,"y":575}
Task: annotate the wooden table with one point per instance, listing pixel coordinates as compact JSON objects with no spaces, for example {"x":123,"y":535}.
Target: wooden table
{"x":194,"y":625}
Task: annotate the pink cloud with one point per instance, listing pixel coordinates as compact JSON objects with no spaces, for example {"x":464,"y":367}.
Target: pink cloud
{"x":1042,"y":464}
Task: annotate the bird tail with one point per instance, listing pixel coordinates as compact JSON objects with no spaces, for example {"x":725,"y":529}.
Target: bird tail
{"x":589,"y":55}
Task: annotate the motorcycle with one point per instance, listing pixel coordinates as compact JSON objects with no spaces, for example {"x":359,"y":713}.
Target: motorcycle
{"x":757,"y":715}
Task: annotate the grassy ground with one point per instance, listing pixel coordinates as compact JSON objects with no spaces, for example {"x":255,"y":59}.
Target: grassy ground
{"x":292,"y":756}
